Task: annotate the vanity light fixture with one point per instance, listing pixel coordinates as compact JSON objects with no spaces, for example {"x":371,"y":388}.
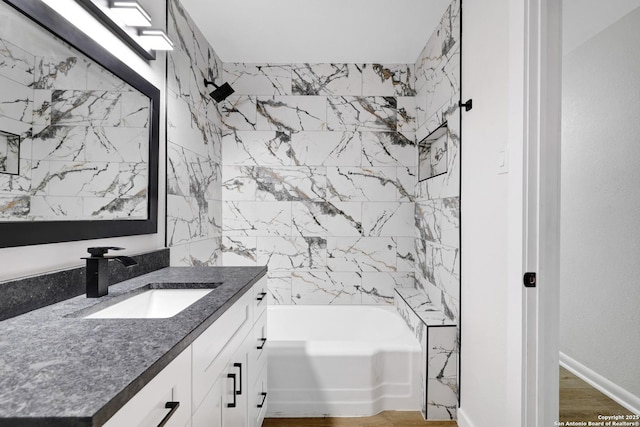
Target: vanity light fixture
{"x":130,"y":12}
{"x":155,"y":39}
{"x":129,"y":22}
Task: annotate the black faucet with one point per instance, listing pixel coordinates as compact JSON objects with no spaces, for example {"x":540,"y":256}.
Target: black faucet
{"x":97,"y":269}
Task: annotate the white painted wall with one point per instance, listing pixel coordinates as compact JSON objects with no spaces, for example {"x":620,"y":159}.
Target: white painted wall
{"x":600,"y":289}
{"x":583,"y":19}
{"x":30,"y":260}
{"x":485,"y":78}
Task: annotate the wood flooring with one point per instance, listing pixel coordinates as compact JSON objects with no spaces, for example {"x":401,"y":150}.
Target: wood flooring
{"x":383,"y":419}
{"x":581,"y":402}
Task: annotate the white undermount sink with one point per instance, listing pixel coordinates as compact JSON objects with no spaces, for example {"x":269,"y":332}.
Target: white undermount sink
{"x":151,"y":304}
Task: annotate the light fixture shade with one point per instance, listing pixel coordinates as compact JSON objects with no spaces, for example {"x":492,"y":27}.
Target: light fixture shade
{"x":155,"y":39}
{"x":130,"y":13}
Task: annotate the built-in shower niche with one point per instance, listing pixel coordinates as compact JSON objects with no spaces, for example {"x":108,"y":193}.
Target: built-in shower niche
{"x":9,"y":153}
{"x":432,"y":154}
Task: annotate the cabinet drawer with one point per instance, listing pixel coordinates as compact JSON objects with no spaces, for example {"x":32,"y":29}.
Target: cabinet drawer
{"x":260,"y":297}
{"x":149,"y":406}
{"x":212,"y":349}
{"x":258,"y":398}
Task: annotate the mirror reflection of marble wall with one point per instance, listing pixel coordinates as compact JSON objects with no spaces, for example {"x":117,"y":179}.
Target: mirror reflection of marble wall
{"x":85,"y":133}
{"x":9,"y":153}
{"x":432,"y":153}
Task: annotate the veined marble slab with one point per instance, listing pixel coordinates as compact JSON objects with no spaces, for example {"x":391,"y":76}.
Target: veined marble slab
{"x":438,"y":221}
{"x":292,"y":253}
{"x":325,"y":287}
{"x":426,"y":311}
{"x":361,"y":254}
{"x":16,"y":63}
{"x":326,"y":79}
{"x":239,"y":112}
{"x":358,"y":113}
{"x":341,"y":148}
{"x":195,"y":128}
{"x":292,"y":113}
{"x":258,"y":79}
{"x":438,"y":337}
{"x":362,"y":184}
{"x":320,"y":218}
{"x":388,"y":79}
{"x":387,"y":149}
{"x":393,"y":219}
{"x":239,"y":250}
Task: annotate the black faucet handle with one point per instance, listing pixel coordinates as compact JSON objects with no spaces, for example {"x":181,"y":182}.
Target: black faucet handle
{"x":100,"y":251}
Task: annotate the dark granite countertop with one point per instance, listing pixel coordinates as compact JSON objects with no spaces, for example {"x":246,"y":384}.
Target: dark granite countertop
{"x":56,"y":369}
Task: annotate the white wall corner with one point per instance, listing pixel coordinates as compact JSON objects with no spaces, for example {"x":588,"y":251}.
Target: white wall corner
{"x":463,"y":419}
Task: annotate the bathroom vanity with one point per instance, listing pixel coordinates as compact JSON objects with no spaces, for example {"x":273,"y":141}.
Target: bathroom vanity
{"x":206,"y":365}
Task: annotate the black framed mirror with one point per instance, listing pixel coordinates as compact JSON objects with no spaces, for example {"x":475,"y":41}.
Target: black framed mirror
{"x":89,"y":128}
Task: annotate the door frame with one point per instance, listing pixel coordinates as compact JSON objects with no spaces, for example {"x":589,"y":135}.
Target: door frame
{"x":535,"y":60}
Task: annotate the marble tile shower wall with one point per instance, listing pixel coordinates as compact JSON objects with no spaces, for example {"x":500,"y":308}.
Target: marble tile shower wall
{"x":437,"y":207}
{"x":194,"y":212}
{"x":318,"y":178}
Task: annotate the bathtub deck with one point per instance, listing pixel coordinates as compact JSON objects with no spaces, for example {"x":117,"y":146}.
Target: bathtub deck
{"x":383,"y":419}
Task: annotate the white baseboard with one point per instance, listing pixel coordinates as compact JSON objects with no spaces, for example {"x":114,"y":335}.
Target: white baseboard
{"x":463,"y":419}
{"x":597,"y":381}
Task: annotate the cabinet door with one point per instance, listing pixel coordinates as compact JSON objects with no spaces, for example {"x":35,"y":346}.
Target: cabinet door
{"x":235,"y":389}
{"x":258,"y":398}
{"x":209,"y":414}
{"x":157,"y":400}
{"x":260,"y":297}
{"x":258,"y":347}
{"x":213,"y":349}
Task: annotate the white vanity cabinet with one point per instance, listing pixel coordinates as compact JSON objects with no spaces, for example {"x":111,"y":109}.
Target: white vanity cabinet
{"x":219,"y":380}
{"x":166,"y":398}
{"x":257,"y":399}
{"x":226,"y":366}
{"x":258,"y":394}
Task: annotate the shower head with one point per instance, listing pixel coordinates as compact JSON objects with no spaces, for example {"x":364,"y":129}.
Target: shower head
{"x":221,"y":93}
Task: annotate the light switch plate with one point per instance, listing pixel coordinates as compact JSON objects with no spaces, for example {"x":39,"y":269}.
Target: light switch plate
{"x":503,"y":162}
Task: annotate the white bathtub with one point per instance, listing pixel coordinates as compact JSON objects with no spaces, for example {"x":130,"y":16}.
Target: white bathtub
{"x":340,"y":361}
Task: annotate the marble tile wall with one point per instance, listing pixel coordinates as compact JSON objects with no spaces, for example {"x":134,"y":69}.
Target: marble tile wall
{"x":437,"y":199}
{"x":318,"y":178}
{"x":84,"y":134}
{"x":312,"y":170}
{"x":194,"y":133}
{"x":438,"y":337}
